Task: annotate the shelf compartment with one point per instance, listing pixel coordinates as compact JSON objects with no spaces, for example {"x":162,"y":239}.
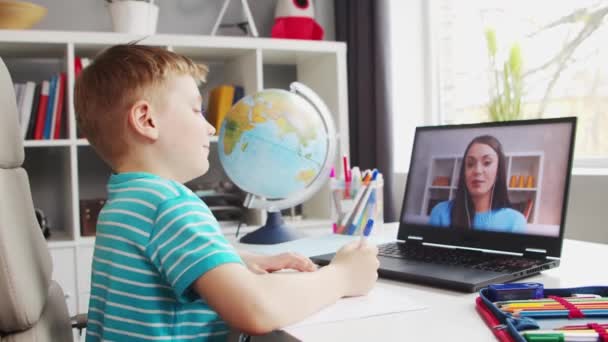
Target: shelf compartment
{"x":442,"y":173}
{"x":279,"y":76}
{"x":242,"y":68}
{"x":27,"y":66}
{"x":50,"y":181}
{"x":93,"y":175}
{"x":525,"y":166}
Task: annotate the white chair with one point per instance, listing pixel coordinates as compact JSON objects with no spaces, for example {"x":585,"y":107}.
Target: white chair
{"x":32,"y":306}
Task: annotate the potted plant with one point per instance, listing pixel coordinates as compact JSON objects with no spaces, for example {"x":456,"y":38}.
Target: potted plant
{"x":133,"y":16}
{"x":507,"y":84}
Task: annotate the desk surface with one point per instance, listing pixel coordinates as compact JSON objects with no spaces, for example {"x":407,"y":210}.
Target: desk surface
{"x":454,"y":311}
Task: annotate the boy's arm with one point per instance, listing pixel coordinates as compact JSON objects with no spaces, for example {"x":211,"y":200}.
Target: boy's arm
{"x":260,"y":303}
{"x":191,"y":253}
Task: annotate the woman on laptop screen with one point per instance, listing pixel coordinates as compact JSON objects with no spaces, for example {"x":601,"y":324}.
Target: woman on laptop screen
{"x":481,"y":201}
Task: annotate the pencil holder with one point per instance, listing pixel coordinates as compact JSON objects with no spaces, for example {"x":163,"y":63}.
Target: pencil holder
{"x":353,"y":205}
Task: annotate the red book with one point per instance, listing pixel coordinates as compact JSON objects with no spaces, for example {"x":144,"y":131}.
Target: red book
{"x":41,"y":114}
{"x":58,"y":113}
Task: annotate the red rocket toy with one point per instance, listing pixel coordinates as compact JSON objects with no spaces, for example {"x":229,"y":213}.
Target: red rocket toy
{"x":294,"y":19}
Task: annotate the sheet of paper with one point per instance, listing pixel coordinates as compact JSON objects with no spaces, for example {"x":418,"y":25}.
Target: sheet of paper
{"x":380,"y":301}
{"x":311,"y":246}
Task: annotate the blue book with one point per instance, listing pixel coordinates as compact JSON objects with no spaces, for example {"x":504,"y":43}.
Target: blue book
{"x":49,"y":109}
{"x":239,"y":92}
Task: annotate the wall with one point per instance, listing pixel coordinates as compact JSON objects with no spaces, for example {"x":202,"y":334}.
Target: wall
{"x":175,"y":16}
{"x":587,"y":215}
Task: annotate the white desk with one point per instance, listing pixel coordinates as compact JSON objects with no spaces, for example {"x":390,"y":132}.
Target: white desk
{"x":454,"y":311}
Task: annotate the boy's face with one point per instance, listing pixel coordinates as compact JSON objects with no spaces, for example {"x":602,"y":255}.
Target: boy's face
{"x":184,"y":134}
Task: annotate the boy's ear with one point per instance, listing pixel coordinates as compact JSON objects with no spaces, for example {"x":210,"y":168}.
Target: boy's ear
{"x":141,"y":120}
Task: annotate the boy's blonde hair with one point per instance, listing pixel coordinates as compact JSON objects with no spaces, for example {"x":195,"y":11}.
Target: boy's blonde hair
{"x":121,"y":75}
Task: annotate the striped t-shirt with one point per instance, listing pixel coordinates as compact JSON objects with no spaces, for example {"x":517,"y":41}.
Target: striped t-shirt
{"x":154,"y":239}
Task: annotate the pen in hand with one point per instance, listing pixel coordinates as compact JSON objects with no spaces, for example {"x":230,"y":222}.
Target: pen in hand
{"x":366,"y":231}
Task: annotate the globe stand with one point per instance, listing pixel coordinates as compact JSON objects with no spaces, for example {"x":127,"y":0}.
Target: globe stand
{"x":274,"y":231}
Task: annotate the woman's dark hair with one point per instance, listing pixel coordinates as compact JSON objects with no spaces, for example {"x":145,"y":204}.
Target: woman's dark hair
{"x":500,"y":198}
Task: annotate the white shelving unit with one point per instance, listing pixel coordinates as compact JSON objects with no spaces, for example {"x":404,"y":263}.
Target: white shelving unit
{"x":64,"y":171}
{"x":518,"y":164}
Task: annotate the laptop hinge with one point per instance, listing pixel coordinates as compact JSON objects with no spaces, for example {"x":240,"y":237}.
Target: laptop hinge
{"x":535,"y":253}
{"x":414,"y":240}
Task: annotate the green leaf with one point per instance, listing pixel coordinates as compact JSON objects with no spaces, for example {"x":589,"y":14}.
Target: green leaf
{"x":491,"y":41}
{"x":515,"y":61}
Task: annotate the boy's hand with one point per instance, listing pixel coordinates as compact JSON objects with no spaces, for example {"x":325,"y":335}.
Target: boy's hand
{"x":262,"y":264}
{"x":359,"y":262}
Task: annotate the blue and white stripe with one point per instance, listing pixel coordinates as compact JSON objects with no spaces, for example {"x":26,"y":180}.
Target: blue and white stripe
{"x":154,"y":239}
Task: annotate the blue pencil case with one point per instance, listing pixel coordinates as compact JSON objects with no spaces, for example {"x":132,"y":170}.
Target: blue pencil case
{"x":532,"y":313}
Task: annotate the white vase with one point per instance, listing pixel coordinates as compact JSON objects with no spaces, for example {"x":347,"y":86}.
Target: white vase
{"x":136,"y":17}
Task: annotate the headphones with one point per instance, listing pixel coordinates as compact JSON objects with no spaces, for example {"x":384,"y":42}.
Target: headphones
{"x":466,"y":203}
{"x":43,"y":223}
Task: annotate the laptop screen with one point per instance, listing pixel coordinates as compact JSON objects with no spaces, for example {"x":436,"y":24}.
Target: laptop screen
{"x":506,"y":178}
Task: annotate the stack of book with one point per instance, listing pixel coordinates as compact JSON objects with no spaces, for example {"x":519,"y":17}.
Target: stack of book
{"x":221,"y":99}
{"x":41,"y":107}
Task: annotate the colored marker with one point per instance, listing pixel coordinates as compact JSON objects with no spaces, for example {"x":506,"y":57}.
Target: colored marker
{"x":366,"y":231}
{"x":346,"y":177}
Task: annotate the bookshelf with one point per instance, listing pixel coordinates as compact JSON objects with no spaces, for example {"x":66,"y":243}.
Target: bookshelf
{"x":443,"y":173}
{"x":65,"y":171}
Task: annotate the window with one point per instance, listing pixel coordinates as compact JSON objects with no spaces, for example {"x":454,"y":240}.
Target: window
{"x":563,"y":56}
{"x":561,"y":48}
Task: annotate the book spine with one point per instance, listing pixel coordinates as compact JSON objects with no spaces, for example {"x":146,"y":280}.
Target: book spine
{"x":26,"y":106}
{"x":49,"y":110}
{"x":41,"y":115}
{"x":32,"y":122}
{"x":59,"y":111}
{"x":239,"y":92}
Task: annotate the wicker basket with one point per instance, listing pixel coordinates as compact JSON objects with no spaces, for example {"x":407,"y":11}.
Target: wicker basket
{"x":17,"y":15}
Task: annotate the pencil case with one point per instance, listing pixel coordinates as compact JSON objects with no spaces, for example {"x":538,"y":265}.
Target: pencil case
{"x":514,"y":327}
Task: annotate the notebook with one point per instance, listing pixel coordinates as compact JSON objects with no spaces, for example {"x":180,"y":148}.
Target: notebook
{"x":484,"y":203}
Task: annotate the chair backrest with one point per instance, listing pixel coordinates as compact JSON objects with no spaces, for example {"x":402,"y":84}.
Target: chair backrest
{"x":32,"y":306}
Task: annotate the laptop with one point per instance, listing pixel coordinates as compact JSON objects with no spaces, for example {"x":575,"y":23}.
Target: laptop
{"x":484,"y":203}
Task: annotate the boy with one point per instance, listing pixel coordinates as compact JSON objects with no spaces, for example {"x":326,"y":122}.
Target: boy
{"x":162,"y":269}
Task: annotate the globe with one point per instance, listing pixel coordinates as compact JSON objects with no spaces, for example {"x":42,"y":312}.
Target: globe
{"x":278,"y":146}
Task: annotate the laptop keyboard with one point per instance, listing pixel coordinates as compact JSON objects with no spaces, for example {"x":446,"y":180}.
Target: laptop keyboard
{"x":458,"y":257}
